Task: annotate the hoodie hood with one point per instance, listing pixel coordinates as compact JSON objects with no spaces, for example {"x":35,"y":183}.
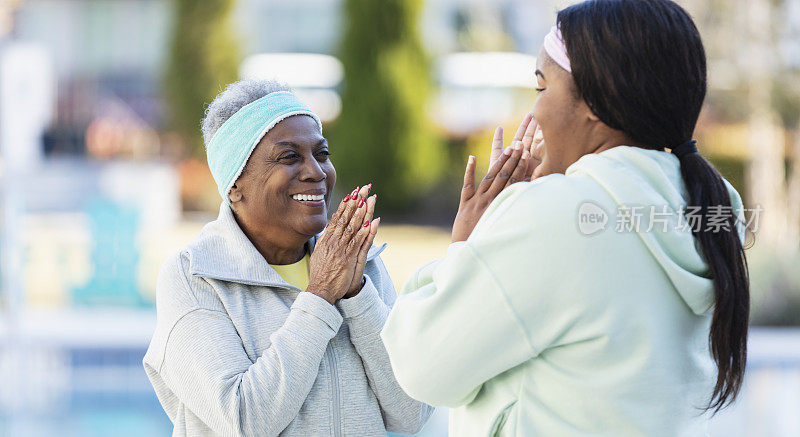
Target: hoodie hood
{"x":651,"y":179}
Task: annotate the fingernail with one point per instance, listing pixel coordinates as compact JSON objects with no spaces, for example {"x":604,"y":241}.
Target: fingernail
{"x":353,"y":194}
{"x":366,"y":223}
{"x":346,"y":198}
{"x":525,"y":155}
{"x":377,"y":221}
{"x":369,"y":187}
{"x":517,"y":146}
{"x":471,"y":159}
{"x":508,"y":151}
{"x":360,"y":202}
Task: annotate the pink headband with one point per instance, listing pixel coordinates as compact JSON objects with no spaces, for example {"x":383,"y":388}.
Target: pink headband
{"x":556,"y":49}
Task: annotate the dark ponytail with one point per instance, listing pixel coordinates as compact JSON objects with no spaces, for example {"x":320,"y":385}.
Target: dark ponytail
{"x":727,"y":264}
{"x":641,"y":67}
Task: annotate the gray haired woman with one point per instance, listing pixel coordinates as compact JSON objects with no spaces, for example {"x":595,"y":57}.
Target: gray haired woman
{"x":267,"y":325}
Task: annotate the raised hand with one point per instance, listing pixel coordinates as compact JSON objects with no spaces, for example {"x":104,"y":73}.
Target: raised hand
{"x":517,"y":162}
{"x":366,"y":235}
{"x":333,"y":263}
{"x":510,"y":167}
{"x":529,"y":135}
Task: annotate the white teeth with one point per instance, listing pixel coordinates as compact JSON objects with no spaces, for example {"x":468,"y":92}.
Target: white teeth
{"x":308,"y":197}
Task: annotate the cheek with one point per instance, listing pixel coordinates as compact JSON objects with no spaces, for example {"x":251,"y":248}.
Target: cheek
{"x":545,"y":113}
{"x":274,"y":188}
{"x":554,"y":120}
{"x":557,"y":117}
{"x":538,"y":110}
{"x":330,"y":175}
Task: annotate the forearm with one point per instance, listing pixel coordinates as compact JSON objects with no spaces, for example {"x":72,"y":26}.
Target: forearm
{"x":235,"y":396}
{"x":452,"y":329}
{"x":401,"y":413}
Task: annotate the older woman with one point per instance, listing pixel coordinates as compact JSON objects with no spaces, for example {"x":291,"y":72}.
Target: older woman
{"x":609,"y":296}
{"x":264,"y":326}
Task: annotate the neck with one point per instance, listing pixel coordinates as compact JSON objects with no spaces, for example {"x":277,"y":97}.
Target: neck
{"x":277,"y":255}
{"x":609,"y":139}
{"x":280,"y":251}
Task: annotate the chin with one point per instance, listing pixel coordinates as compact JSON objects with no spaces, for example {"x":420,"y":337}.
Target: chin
{"x":314,"y":226}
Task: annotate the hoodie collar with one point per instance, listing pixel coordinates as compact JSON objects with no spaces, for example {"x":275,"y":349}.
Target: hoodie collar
{"x":222,"y":251}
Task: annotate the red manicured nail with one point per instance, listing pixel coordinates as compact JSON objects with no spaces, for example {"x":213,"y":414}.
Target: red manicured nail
{"x":366,"y":223}
{"x":353,"y":194}
{"x":360,"y":202}
{"x":346,"y":198}
{"x":369,"y":187}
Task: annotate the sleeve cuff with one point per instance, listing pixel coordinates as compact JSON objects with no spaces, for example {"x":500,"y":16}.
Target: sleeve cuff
{"x":365,"y":312}
{"x":320,"y":308}
{"x":422,"y":276}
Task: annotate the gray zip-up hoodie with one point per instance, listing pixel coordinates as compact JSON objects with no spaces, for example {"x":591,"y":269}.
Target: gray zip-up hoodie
{"x":238,"y":351}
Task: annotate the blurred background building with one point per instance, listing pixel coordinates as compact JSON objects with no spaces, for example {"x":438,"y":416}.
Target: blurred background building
{"x":102,"y":171}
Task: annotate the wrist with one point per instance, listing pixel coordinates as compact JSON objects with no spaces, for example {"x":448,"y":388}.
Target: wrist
{"x":355,"y":291}
{"x":313,"y":290}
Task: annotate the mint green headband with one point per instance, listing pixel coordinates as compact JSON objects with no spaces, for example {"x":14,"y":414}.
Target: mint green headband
{"x":234,"y":142}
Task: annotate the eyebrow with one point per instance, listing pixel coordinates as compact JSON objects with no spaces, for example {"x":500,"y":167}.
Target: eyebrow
{"x":539,"y":73}
{"x":321,"y":142}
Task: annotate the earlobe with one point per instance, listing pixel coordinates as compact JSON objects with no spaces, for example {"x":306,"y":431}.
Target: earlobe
{"x":590,"y":115}
{"x":235,"y":195}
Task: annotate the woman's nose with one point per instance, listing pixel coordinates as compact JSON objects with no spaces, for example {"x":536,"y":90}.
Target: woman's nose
{"x":312,"y":170}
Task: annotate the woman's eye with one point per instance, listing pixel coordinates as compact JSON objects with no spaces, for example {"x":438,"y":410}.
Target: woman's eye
{"x":538,"y":90}
{"x":289,"y":157}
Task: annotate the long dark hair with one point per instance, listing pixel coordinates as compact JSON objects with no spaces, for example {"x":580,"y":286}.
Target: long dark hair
{"x":641,"y":68}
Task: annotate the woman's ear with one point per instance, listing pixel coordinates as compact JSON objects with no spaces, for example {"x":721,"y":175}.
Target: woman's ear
{"x":235,"y":195}
{"x":588,"y":113}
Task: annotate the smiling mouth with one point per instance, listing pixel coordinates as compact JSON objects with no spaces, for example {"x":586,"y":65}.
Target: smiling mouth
{"x":314,"y":200}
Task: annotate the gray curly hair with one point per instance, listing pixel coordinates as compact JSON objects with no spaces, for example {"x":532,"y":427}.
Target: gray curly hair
{"x":236,"y":96}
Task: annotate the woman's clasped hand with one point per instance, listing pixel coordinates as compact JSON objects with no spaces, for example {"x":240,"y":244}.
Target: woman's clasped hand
{"x":337,"y":263}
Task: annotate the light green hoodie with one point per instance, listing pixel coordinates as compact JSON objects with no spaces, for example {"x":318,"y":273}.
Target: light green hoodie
{"x":532,"y":327}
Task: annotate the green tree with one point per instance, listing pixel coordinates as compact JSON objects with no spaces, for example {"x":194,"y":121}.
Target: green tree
{"x":384,"y":135}
{"x":203,"y":59}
